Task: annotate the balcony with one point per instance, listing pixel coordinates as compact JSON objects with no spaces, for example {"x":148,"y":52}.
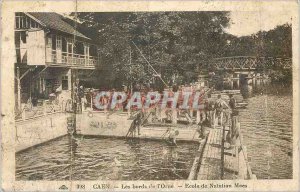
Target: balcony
{"x":64,"y":59}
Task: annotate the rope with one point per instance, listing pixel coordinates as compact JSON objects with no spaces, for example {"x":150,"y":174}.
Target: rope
{"x":150,"y":64}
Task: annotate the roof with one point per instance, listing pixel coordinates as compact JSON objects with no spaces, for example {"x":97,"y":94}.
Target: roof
{"x":55,"y":21}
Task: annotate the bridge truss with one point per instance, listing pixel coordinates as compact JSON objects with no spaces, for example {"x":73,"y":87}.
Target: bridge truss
{"x":251,"y":63}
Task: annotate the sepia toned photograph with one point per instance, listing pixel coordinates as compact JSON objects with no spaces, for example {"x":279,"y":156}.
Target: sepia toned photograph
{"x":188,"y":97}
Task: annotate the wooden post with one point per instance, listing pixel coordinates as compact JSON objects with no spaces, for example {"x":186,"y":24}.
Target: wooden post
{"x":237,"y":147}
{"x":231,"y":83}
{"x":44,"y":108}
{"x":222,"y":152}
{"x":62,"y":106}
{"x":129,"y":109}
{"x":174,"y":116}
{"x":233,"y":127}
{"x":214,"y":119}
{"x":159,"y":111}
{"x":238,"y":80}
{"x":19,"y":88}
{"x":86,"y":54}
{"x":91,"y":102}
{"x":221,"y":118}
{"x":23,"y":111}
{"x":82,"y":105}
{"x":198,"y":116}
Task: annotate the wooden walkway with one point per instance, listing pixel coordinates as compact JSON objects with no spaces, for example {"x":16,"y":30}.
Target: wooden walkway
{"x":210,"y":165}
{"x":234,"y":162}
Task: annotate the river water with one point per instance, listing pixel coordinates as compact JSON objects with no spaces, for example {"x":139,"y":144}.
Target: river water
{"x":97,"y":158}
{"x":266,"y":125}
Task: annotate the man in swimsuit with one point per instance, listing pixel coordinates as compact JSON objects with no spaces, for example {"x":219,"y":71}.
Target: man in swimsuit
{"x":219,"y":104}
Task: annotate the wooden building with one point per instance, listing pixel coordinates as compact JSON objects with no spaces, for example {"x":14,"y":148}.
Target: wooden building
{"x":50,"y":53}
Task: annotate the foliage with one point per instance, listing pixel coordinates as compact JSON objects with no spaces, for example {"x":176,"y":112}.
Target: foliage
{"x":178,"y":45}
{"x":274,"y":43}
{"x":175,"y":43}
{"x":281,"y":76}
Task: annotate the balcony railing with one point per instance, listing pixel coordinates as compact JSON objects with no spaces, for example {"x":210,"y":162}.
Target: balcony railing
{"x":73,"y":60}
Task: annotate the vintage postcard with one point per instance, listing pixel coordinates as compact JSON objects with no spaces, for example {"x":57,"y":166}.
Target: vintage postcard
{"x":149,"y":96}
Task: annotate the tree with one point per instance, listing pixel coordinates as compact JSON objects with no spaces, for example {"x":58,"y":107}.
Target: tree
{"x":174,"y":43}
{"x":274,"y":43}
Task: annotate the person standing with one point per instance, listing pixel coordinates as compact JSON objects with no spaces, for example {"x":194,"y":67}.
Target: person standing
{"x":231,"y":135}
{"x":232,"y":102}
{"x":219,"y":107}
{"x":232,"y":105}
{"x":132,"y":129}
{"x":209,"y":109}
{"x":139,"y":122}
{"x":80,"y":98}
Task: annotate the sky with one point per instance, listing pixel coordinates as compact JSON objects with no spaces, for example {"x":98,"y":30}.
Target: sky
{"x":247,"y":23}
{"x":250,"y":22}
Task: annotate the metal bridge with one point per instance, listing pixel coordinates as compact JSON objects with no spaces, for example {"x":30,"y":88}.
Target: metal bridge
{"x":250,"y":63}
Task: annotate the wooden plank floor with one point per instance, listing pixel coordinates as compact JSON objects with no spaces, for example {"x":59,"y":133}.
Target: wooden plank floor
{"x":210,"y":165}
{"x":230,"y":164}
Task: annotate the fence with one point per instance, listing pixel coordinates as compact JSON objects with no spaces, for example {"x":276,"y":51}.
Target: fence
{"x":28,"y":111}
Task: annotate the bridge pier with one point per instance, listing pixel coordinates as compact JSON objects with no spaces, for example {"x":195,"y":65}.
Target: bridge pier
{"x":231,"y":84}
{"x":256,"y":79}
{"x":250,"y":77}
{"x":237,"y":79}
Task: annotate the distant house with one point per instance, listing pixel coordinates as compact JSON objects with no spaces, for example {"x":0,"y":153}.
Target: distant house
{"x":51,"y":54}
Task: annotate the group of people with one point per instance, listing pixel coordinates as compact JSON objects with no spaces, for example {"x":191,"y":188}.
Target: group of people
{"x":215,"y":114}
{"x":214,"y":110}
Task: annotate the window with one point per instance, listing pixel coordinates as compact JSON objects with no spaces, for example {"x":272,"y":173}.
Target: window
{"x":65,"y":83}
{"x":70,"y":45}
{"x":79,"y":48}
{"x":53,"y":42}
{"x":93,"y":51}
{"x":22,"y":21}
{"x":49,"y":42}
{"x":64,"y":44}
{"x":58,"y":42}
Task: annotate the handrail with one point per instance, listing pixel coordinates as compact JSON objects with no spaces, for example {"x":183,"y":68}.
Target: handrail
{"x":26,"y":112}
{"x":251,"y":62}
{"x":74,"y":59}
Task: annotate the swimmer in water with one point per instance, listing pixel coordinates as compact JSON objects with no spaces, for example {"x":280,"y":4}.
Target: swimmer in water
{"x":172,"y":137}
